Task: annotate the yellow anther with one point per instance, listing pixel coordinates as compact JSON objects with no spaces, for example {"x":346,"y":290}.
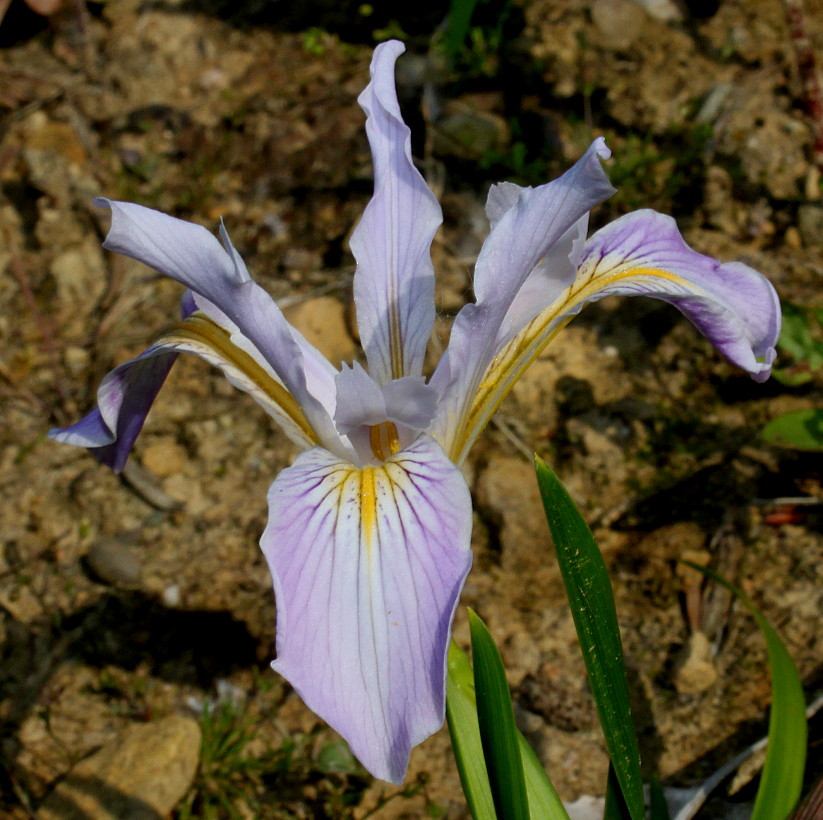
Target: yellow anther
{"x":384,"y":440}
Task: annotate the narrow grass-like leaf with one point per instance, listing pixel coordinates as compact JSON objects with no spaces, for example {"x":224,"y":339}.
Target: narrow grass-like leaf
{"x":658,"y":808}
{"x":615,"y":808}
{"x":782,"y":779}
{"x":461,"y":711}
{"x":461,"y":714}
{"x":595,"y":618}
{"x":544,"y":802}
{"x":495,"y":715}
{"x":457,"y":26}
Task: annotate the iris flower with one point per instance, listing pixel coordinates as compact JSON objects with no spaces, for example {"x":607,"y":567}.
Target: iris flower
{"x":368,"y":533}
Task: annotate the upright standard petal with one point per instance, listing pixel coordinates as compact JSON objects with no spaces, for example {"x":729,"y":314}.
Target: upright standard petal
{"x":191,"y":255}
{"x":367,"y":566}
{"x":527,"y":224}
{"x":394,"y":280}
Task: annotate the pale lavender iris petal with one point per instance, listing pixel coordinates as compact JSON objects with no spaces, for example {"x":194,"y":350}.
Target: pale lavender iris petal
{"x":360,"y":399}
{"x":367,"y":570}
{"x":124,"y":399}
{"x":411,"y":401}
{"x":318,"y":369}
{"x":734,"y":306}
{"x":501,"y":198}
{"x":127,"y":393}
{"x":546,"y":282}
{"x":193,"y":256}
{"x":394,"y":280}
{"x":526,"y":228}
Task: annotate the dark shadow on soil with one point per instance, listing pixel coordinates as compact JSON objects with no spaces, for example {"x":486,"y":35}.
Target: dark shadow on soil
{"x":112,"y":802}
{"x":352,"y":20}
{"x":125,"y":630}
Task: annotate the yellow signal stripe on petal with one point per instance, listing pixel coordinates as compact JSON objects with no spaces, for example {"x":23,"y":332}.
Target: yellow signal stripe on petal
{"x":398,"y":363}
{"x":201,"y":332}
{"x":515,"y":356}
{"x":368,"y":506}
{"x":362,"y":486}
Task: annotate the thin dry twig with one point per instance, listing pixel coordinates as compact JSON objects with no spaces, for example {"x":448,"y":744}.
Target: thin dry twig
{"x":46,"y":330}
{"x":697,"y":797}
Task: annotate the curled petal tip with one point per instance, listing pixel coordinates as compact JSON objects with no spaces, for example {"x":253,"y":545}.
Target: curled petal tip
{"x":603,"y":151}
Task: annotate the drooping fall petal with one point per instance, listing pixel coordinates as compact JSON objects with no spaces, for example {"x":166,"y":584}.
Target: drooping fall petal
{"x":394,"y":281}
{"x":367,"y":566}
{"x":643,"y":254}
{"x":124,"y":399}
{"x":193,"y":256}
{"x":127,"y":393}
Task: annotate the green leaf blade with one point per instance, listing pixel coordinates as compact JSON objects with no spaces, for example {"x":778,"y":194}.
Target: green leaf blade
{"x":461,"y":714}
{"x":498,"y":733}
{"x":461,"y":711}
{"x":592,"y":605}
{"x":781,"y":781}
{"x":802,"y":430}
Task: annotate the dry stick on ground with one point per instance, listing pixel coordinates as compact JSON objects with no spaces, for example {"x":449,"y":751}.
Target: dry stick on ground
{"x":809,"y":79}
{"x":47,"y":334}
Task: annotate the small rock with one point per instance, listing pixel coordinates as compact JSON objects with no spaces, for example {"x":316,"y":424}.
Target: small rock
{"x":140,"y":775}
{"x":172,"y":596}
{"x":507,"y":491}
{"x":792,"y":237}
{"x":164,"y":457}
{"x":188,"y":492}
{"x":666,"y":11}
{"x":713,"y":103}
{"x":20,"y":602}
{"x":811,"y":184}
{"x":80,"y":276}
{"x":467,"y":133}
{"x":113,"y":562}
{"x":77,"y":359}
{"x":43,"y":134}
{"x":695,"y":671}
{"x":586,"y":807}
{"x":620,"y":21}
{"x":810,"y":225}
{"x":323,"y":322}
